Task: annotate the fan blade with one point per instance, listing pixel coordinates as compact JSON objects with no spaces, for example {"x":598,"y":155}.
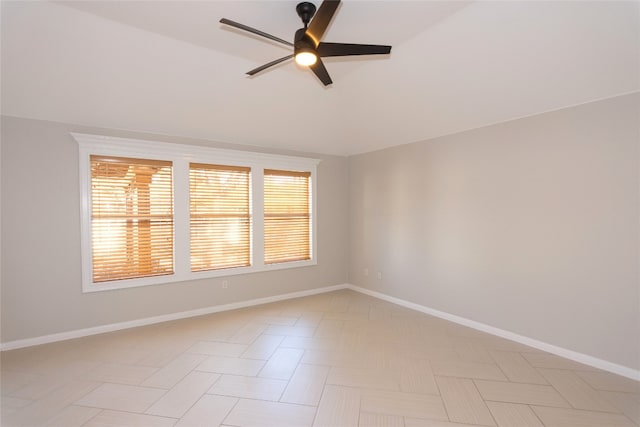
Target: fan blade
{"x":348,"y":49}
{"x":254,"y":31}
{"x":321,"y":20}
{"x":320,"y":71}
{"x":270,"y":64}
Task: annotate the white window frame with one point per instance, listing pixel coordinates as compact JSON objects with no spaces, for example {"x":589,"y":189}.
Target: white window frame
{"x":181,"y":155}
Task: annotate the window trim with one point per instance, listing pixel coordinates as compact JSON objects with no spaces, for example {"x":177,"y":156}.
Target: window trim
{"x":181,"y":155}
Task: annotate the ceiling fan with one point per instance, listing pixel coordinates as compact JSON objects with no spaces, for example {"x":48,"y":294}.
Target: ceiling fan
{"x":307,"y":45}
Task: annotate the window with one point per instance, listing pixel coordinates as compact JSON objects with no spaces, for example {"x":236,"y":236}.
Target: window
{"x":131,"y":218}
{"x":155,"y":213}
{"x":220,"y":218}
{"x":287,"y":216}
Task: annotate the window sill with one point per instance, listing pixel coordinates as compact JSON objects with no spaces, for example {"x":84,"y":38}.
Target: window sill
{"x":192,"y":276}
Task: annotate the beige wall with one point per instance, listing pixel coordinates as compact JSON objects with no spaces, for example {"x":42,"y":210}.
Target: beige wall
{"x":530,"y":226}
{"x":41,"y":287}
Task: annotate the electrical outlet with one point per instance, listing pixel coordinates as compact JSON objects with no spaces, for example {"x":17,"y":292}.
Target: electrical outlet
{"x":225,"y":284}
{"x":379,"y":275}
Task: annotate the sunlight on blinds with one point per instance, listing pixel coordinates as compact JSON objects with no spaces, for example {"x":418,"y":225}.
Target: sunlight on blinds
{"x":131,"y":218}
{"x":287,"y":218}
{"x":220,"y":218}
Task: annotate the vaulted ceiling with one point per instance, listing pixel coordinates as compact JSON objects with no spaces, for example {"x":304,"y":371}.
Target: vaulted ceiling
{"x":169,"y":67}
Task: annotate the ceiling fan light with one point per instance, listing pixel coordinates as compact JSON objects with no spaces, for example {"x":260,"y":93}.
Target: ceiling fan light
{"x":306,"y":58}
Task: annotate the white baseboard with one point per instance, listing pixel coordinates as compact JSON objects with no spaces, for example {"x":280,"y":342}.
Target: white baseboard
{"x":559,"y":351}
{"x":540,"y":345}
{"x":79,"y":333}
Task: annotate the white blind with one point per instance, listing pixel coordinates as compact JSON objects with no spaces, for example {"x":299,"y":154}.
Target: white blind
{"x":287,"y":216}
{"x":220,"y":216}
{"x":131,"y":218}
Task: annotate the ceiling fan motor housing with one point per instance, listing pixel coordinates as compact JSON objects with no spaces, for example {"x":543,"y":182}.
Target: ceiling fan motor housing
{"x":302,"y":42}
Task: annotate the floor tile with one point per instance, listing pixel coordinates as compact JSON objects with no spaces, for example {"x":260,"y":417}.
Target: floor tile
{"x":42,"y":386}
{"x":529,"y":394}
{"x":276,"y":320}
{"x":563,"y":417}
{"x":180,"y":398}
{"x":369,"y":419}
{"x":282,"y":364}
{"x":609,"y":382}
{"x":336,"y":315}
{"x":338,"y":304}
{"x":120,"y":373}
{"x":121,"y":397}
{"x":418,"y":422}
{"x":248,"y":333}
{"x":433,"y":352}
{"x":306,"y":385}
{"x":221,"y":329}
{"x":470,"y":351}
{"x":40,"y":411}
{"x":516,"y":367}
{"x":72,"y":416}
{"x":59,"y":369}
{"x":416,"y":376}
{"x":209,"y":410}
{"x":170,"y":374}
{"x":309,"y":319}
{"x":290,"y":331}
{"x":364,"y":378}
{"x":627,"y":403}
{"x":212,"y":348}
{"x":124,"y":354}
{"x":249,"y":387}
{"x":463,"y":401}
{"x":493,"y":342}
{"x":166,"y":351}
{"x":260,"y":413}
{"x":547,"y":360}
{"x":332,"y":358}
{"x":128,"y":419}
{"x":513,"y":415}
{"x":462,"y":369}
{"x":310,"y":343}
{"x":263,"y":347}
{"x":38,"y":389}
{"x":403,"y":404}
{"x":576,"y":391}
{"x":339,"y":406}
{"x":12,"y":404}
{"x":231,"y":365}
{"x":329,"y":328}
{"x":13,"y":381}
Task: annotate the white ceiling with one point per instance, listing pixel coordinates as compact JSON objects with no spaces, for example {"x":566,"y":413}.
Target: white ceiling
{"x":169,"y":67}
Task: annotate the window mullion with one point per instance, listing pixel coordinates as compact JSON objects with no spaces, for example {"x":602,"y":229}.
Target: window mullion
{"x":257,"y":207}
{"x":181,"y":212}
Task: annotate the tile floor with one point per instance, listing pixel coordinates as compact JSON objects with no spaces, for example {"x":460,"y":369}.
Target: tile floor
{"x":335,"y":359}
